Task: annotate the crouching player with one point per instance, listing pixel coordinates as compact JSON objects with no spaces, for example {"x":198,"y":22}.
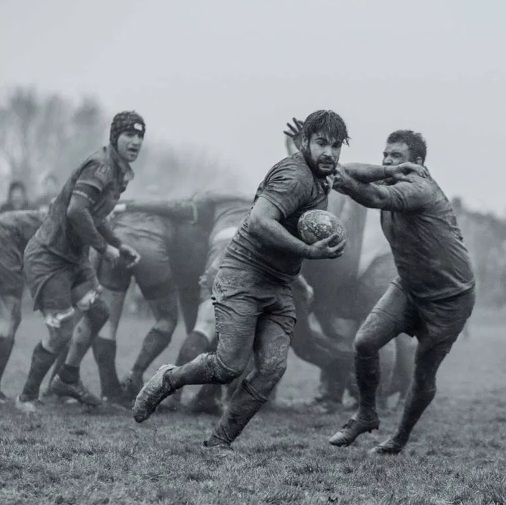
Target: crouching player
{"x":57,"y":267}
{"x":16,"y":229}
{"x":433,"y":296}
{"x":153,"y":236}
{"x":254,"y":307}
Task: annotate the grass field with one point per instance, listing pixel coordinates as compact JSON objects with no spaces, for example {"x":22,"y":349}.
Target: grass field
{"x":67,"y":455}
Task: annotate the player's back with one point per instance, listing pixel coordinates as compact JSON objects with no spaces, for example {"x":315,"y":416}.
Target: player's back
{"x":18,"y":227}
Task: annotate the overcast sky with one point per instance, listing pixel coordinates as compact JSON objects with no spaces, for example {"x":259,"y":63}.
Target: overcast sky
{"x":228,"y":74}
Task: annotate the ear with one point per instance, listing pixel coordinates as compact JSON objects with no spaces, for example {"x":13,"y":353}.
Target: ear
{"x":419,"y":160}
{"x":304,"y":142}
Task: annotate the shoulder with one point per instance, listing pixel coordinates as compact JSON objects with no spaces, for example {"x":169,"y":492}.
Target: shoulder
{"x":97,"y":167}
{"x":292,"y":169}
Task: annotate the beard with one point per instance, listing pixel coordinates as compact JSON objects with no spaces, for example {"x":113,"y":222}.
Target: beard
{"x":314,"y":164}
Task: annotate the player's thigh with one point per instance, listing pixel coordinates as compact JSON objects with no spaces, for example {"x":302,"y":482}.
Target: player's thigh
{"x":114,"y":277}
{"x":271,"y":345}
{"x":85,"y":286}
{"x":237,"y":308}
{"x":10,"y":315}
{"x":392,"y":314}
{"x":153,"y":273}
{"x":442,"y":321}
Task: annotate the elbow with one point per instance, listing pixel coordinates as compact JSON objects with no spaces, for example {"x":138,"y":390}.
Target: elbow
{"x":74,"y":215}
{"x":255,"y":226}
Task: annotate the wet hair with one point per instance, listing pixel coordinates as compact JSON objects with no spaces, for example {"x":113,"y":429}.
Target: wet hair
{"x":415,"y":142}
{"x":17,"y":185}
{"x":328,"y":123}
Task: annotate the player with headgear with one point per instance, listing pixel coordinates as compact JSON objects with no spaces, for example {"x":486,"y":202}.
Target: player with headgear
{"x":57,"y":266}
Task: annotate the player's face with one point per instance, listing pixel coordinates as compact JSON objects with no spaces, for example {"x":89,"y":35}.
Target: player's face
{"x":129,"y":145}
{"x":322,"y":154}
{"x":396,"y":153}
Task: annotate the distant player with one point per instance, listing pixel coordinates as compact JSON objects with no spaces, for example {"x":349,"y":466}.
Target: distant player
{"x":254,"y":307}
{"x":434,"y":294}
{"x":57,"y":266}
{"x":16,"y":229}
{"x":154,"y":237}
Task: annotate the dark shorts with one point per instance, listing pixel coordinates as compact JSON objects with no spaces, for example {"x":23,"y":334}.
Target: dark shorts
{"x":431,"y":322}
{"x":11,"y":271}
{"x":55,"y":283}
{"x":243,"y":297}
{"x":152,"y":274}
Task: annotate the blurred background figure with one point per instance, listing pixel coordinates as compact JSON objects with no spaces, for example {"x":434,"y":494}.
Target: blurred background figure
{"x":17,"y":198}
{"x":49,"y":189}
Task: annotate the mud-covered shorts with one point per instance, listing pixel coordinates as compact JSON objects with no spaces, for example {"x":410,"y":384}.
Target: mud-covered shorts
{"x":153,"y":273}
{"x":243,"y":296}
{"x":56,"y":284}
{"x":432,"y":322}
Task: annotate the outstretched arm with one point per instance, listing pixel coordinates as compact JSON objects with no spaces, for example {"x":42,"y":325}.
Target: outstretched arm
{"x":364,"y":172}
{"x":182,"y":210}
{"x":409,"y":194}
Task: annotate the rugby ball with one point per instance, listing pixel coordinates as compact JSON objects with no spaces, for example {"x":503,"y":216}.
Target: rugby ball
{"x":315,"y":225}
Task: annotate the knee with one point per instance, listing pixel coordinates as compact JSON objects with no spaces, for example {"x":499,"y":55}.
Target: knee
{"x":272,"y":371}
{"x":165,"y":326}
{"x":225,"y":373}
{"x":97,"y":313}
{"x":60,"y":327}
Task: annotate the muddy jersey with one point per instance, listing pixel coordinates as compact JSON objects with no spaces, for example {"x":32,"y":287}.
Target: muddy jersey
{"x":292,"y":187}
{"x":18,"y":227}
{"x":104,"y":171}
{"x":429,"y":253}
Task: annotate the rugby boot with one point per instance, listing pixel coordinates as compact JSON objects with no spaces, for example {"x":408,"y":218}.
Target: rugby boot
{"x":389,"y":446}
{"x":351,"y":430}
{"x":132,"y":384}
{"x":219,"y":448}
{"x":27,"y":406}
{"x":154,"y":391}
{"x":77,"y":391}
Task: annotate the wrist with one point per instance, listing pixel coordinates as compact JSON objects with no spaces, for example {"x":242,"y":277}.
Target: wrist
{"x":308,"y":251}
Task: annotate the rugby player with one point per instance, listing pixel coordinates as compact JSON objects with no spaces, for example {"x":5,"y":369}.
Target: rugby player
{"x":154,"y":237}
{"x":57,"y":267}
{"x":433,"y":295}
{"x":16,"y":229}
{"x":219,"y":215}
{"x":254,"y":308}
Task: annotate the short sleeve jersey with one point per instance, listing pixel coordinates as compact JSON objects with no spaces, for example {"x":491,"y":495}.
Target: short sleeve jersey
{"x":106,"y":172}
{"x":420,"y":225}
{"x":292,"y":187}
{"x":18,"y":227}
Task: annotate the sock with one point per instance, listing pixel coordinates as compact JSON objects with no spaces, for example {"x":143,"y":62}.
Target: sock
{"x":244,"y":404}
{"x":195,"y":343}
{"x":416,"y":402}
{"x":69,"y":374}
{"x":104,"y":352}
{"x":6,"y":345}
{"x":152,"y":346}
{"x":368,"y":376}
{"x":42,"y":360}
